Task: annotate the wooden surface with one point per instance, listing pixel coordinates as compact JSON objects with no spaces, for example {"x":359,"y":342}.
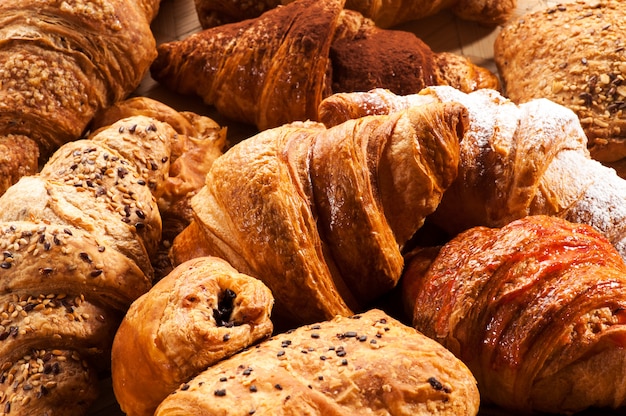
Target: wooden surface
{"x":443,"y":32}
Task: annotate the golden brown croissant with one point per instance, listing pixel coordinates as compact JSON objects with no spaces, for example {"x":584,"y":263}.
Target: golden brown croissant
{"x":61,"y":62}
{"x":516,"y":160}
{"x":200,"y":313}
{"x":384,"y":13}
{"x":320,"y":215}
{"x":535,"y":309}
{"x":276,"y":68}
{"x":76,"y":244}
{"x":572,"y":54}
{"x":363,"y":365}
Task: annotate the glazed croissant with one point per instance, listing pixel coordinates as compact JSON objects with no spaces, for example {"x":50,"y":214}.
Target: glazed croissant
{"x":320,"y":215}
{"x":200,"y":313}
{"x":61,"y":62}
{"x":516,"y":160}
{"x":76,"y":245}
{"x":535,"y":309}
{"x":276,"y":68}
{"x":362,"y":365}
{"x":384,"y":13}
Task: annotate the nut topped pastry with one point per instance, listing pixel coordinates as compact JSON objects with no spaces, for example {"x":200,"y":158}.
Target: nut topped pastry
{"x":574,"y":54}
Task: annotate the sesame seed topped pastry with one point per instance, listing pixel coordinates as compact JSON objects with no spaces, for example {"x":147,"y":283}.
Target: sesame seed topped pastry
{"x":202,"y":312}
{"x":367,"y":364}
{"x":76,"y":244}
{"x":61,"y":61}
{"x":575,"y":55}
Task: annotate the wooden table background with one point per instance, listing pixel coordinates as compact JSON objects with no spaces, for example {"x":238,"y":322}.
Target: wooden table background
{"x":443,"y":32}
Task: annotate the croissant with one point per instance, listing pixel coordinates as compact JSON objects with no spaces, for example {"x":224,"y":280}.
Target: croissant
{"x":61,"y":62}
{"x":76,"y":243}
{"x":384,"y":13}
{"x":200,"y":313}
{"x":547,"y":54}
{"x":516,"y":160}
{"x":198,"y":142}
{"x":363,"y":365}
{"x":276,"y":68}
{"x":535,"y":309}
{"x":320,"y":215}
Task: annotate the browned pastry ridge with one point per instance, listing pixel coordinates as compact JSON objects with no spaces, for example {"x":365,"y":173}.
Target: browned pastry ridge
{"x":535,"y":309}
{"x":200,"y":313}
{"x":61,"y":62}
{"x":276,"y":68}
{"x":76,"y":242}
{"x":367,"y":364}
{"x":385,"y":14}
{"x":573,"y":54}
{"x":320,"y":215}
{"x":516,"y":160}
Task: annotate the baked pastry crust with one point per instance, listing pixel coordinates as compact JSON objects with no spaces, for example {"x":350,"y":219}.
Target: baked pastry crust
{"x":364,"y":364}
{"x":572,"y":54}
{"x":204,"y":311}
{"x":535,"y":309}
{"x":287,"y":206}
{"x":276,"y":68}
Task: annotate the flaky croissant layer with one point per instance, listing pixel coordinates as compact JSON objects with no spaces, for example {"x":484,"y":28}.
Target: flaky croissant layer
{"x":320,"y":215}
{"x":535,"y":309}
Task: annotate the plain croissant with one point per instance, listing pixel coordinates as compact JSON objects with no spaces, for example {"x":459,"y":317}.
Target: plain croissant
{"x":516,"y":160}
{"x":77,"y":241}
{"x":60,"y":63}
{"x":384,"y":13}
{"x":535,"y":309}
{"x":276,"y":68}
{"x":320,"y":215}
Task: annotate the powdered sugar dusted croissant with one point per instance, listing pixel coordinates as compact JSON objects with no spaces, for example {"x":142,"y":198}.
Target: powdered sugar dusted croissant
{"x":535,"y":309}
{"x":516,"y":160}
{"x":320,"y":215}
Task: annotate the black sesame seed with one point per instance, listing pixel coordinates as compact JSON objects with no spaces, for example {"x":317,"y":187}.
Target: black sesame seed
{"x":96,"y":273}
{"x":223,"y":379}
{"x":344,"y":362}
{"x":253,"y":388}
{"x":280,"y":353}
{"x":278,"y":387}
{"x":220,"y":392}
{"x":85,"y":257}
{"x":132,"y":128}
{"x":184,"y":387}
{"x":315,"y":335}
{"x":435,"y":384}
{"x":362,"y":338}
{"x":247,"y":371}
{"x":350,"y":334}
{"x":5,"y":265}
{"x":226,"y":337}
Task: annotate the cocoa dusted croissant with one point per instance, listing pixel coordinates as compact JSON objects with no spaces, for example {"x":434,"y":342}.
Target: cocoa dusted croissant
{"x":276,"y":68}
{"x":320,"y":215}
{"x":202,"y":312}
{"x":516,"y":160}
{"x":60,"y":63}
{"x":77,"y":241}
{"x":363,"y":365}
{"x":535,"y":309}
{"x":384,"y":13}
